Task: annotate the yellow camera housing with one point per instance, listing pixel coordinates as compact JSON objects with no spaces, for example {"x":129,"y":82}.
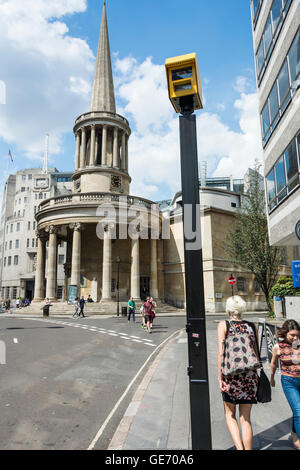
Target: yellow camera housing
{"x":184,"y":81}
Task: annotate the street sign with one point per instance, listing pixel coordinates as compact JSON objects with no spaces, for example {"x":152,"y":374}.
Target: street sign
{"x":232,"y":280}
{"x":296,"y":273}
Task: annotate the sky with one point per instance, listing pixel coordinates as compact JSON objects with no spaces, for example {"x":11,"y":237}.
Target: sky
{"x":48,"y":50}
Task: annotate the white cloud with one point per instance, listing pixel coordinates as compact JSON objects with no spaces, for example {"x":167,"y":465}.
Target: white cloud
{"x":154,"y":144}
{"x":242,"y":84}
{"x":47,"y":73}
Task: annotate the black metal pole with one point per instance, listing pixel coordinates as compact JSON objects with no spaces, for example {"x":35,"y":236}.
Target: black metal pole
{"x":195,"y":305}
{"x":118,"y":291}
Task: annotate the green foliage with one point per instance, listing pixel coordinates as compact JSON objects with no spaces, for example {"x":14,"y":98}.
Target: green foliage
{"x":284,"y":286}
{"x":247,"y":245}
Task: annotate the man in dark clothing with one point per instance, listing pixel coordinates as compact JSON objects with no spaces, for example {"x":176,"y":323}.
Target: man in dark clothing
{"x":147,"y":307}
{"x":81,"y":302}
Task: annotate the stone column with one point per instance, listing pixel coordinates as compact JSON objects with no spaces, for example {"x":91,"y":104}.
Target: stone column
{"x":115,"y":149}
{"x":76,"y":255}
{"x":123,"y":153}
{"x":77,"y":156}
{"x":104,"y":146}
{"x":39,"y":290}
{"x":107,"y":265}
{"x":83,"y":147}
{"x":93,"y":145}
{"x":135,"y":269}
{"x":126,"y":153}
{"x":52,"y":263}
{"x":153,"y":269}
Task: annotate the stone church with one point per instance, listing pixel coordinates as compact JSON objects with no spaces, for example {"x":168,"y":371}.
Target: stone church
{"x":112,"y":236}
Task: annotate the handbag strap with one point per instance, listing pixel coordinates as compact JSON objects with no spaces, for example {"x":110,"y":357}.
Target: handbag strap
{"x":257,"y":344}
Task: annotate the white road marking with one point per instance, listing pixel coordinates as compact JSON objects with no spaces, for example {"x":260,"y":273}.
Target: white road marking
{"x":101,"y":430}
{"x":16,"y":340}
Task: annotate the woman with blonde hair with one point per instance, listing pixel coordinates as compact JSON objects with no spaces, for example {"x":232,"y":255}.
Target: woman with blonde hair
{"x":287,"y":350}
{"x":238,"y":361}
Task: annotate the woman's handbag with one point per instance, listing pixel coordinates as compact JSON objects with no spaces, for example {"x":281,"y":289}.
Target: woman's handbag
{"x":264,"y":391}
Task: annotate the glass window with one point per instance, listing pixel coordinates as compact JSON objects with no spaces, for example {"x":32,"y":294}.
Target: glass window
{"x":30,"y":177}
{"x":59,"y":292}
{"x":283,"y":85}
{"x":61,"y":259}
{"x":241,"y":284}
{"x":284,"y":255}
{"x":18,"y":227}
{"x":16,"y":260}
{"x":276,"y":13}
{"x":274,"y":105}
{"x":268,"y":35}
{"x":260,"y":56}
{"x":265,"y":119}
{"x":291,"y":161}
{"x":10,"y":245}
{"x":28,"y":241}
{"x":280,"y":175}
{"x":271,"y":185}
{"x":294,"y":58}
{"x":257,"y":288}
{"x":9,"y":261}
{"x":17,"y":243}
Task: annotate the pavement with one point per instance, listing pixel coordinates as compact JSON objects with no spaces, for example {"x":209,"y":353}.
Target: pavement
{"x":158,"y":416}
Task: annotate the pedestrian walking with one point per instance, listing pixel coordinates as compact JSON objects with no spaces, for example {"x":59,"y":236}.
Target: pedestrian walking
{"x":81,"y":303}
{"x":153,"y":311}
{"x":76,"y":305}
{"x":147,"y":307}
{"x":237,"y":371}
{"x":7,"y":306}
{"x":131,"y":309}
{"x":287,"y":350}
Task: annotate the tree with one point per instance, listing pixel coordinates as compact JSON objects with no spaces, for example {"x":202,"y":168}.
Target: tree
{"x":247,"y":245}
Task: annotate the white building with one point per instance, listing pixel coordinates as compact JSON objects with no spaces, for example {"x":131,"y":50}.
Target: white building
{"x":22,"y":196}
{"x":276,"y":37}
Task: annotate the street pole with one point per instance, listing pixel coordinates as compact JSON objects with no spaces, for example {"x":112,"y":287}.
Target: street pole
{"x":195,"y":304}
{"x":118,"y":286}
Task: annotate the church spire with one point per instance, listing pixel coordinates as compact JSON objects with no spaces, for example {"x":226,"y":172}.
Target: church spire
{"x":103,"y":96}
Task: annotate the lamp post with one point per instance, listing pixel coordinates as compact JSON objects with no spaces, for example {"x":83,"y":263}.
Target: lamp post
{"x":185,"y":94}
{"x":118,"y":261}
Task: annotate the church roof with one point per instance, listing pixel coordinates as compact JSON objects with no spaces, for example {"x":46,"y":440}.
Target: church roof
{"x":103,"y":96}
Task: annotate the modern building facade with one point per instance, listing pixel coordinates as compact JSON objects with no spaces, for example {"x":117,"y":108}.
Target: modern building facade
{"x":276,"y":38}
{"x":23,"y":193}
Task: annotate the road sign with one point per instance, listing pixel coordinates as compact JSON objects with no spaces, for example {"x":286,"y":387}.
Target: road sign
{"x":296,"y":273}
{"x":232,"y":280}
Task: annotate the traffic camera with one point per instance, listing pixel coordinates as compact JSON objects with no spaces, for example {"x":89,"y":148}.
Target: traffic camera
{"x":184,"y":83}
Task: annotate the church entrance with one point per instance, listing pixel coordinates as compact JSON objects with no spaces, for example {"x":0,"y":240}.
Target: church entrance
{"x":144,"y":287}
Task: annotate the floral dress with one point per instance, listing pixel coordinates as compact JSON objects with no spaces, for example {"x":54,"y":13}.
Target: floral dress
{"x":243,"y":387}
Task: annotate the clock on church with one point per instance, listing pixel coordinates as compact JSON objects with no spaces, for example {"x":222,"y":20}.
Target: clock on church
{"x":116,"y":182}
